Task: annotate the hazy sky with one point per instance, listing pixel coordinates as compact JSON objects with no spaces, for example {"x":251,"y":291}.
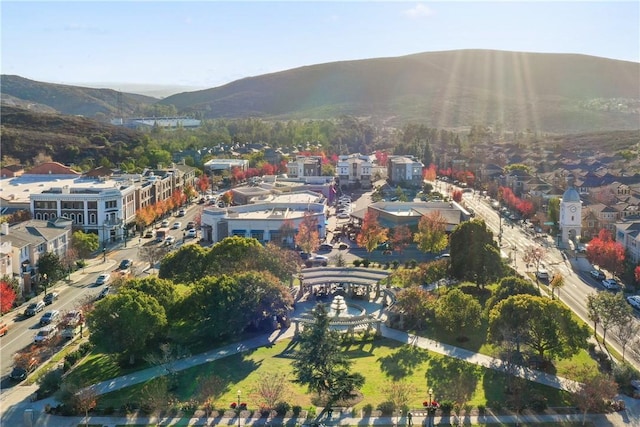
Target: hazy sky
{"x":210,"y":43}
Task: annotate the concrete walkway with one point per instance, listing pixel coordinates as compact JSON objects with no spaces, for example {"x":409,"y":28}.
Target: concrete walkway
{"x":18,"y":400}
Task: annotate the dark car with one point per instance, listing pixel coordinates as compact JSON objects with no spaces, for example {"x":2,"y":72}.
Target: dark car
{"x":19,"y":373}
{"x":50,"y":298}
{"x":597,"y":274}
{"x":124,"y":264}
{"x":34,"y":308}
{"x":325,"y":247}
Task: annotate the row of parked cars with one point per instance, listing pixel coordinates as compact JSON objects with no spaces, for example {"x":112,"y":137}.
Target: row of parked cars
{"x":613,"y":286}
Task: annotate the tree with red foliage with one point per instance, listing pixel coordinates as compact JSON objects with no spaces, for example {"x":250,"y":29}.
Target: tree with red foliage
{"x":525,"y":207}
{"x":237,"y":174}
{"x":7,"y":297}
{"x":457,"y":196}
{"x":400,"y":238}
{"x":308,"y":236}
{"x":267,"y":169}
{"x":203,"y":183}
{"x":381,"y":158}
{"x":371,"y":233}
{"x":606,"y":252}
{"x":430,"y":173}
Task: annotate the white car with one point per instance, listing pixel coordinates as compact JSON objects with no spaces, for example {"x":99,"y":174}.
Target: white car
{"x":164,"y":223}
{"x":177,"y":225}
{"x":170,"y":240}
{"x":103,"y":279}
{"x":317,"y":261}
{"x":634,"y":301}
{"x":45,"y":334}
{"x":542,"y":273}
{"x":191,"y":233}
{"x":343,"y":215}
{"x":610,"y":284}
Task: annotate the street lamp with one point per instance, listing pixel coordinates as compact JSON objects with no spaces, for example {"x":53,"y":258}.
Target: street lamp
{"x":239,"y":408}
{"x":44,"y":282}
{"x":514,"y":249}
{"x":104,"y":253}
{"x":431,"y":408}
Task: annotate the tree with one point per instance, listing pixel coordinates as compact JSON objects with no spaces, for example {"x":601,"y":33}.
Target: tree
{"x":508,"y":286}
{"x":400,"y":238}
{"x":593,"y":391}
{"x":372,"y":234}
{"x":287,"y":233}
{"x":320,"y":363}
{"x":209,"y":389}
{"x":203,"y":183}
{"x":169,"y":354}
{"x":612,"y":309}
{"x":308,"y":236}
{"x":399,"y":393}
{"x":431,"y":235}
{"x":593,"y":311}
{"x":164,"y":291}
{"x":546,"y":326}
{"x":457,"y":196}
{"x":185,"y":265}
{"x":416,"y":305}
{"x":456,"y":312}
{"x":534,"y":255}
{"x":474,"y":255}
{"x":606,"y":253}
{"x":557,"y":282}
{"x":627,"y":331}
{"x":271,"y":388}
{"x":7,"y":297}
{"x":84,"y":243}
{"x":126,"y":322}
{"x":153,"y":254}
{"x":49,"y":263}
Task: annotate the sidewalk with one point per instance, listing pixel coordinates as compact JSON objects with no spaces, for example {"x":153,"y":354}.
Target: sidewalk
{"x":18,"y":400}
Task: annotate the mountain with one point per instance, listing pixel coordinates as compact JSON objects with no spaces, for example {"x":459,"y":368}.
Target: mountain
{"x":72,"y":100}
{"x":537,"y":91}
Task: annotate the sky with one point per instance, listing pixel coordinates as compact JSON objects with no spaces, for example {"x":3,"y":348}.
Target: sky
{"x":210,"y":43}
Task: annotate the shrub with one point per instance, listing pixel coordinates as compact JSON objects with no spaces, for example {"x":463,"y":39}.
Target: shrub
{"x":396,"y":263}
{"x":386,"y":408}
{"x":413,"y":263}
{"x":311,"y":413}
{"x":482,"y":410}
{"x":49,"y":383}
{"x":365,"y":263}
{"x":296,"y":409}
{"x":446,"y":406}
{"x":367,"y":409}
{"x":538,"y":402}
{"x":357,"y":262}
{"x":282,"y":408}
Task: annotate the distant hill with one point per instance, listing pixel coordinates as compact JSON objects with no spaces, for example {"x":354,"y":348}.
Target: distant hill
{"x":538,"y":91}
{"x":26,"y":133}
{"x":72,"y":100}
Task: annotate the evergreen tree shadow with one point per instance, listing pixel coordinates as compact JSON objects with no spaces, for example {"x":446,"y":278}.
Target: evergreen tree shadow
{"x":403,"y":362}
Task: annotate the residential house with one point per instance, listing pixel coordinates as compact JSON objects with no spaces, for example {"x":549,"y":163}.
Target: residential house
{"x":404,"y":170}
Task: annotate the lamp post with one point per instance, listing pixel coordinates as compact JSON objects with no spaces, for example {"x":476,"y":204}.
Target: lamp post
{"x":239,"y":408}
{"x":514,"y":249}
{"x":44,"y":282}
{"x":104,"y":253}
{"x":430,"y":408}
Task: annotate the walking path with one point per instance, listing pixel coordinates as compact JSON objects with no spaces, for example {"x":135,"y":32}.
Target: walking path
{"x":17,"y":401}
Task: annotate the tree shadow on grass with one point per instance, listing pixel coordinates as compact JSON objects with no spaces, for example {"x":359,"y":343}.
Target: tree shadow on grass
{"x":453,"y":379}
{"x":403,"y":362}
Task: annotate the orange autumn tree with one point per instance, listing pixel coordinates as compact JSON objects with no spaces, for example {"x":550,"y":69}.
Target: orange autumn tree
{"x":606,"y":252}
{"x":372,"y":234}
{"x":400,"y":238}
{"x":308,"y":236}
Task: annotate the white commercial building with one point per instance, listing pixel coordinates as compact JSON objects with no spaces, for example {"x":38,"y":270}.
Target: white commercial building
{"x":263,"y":221}
{"x":354,"y":169}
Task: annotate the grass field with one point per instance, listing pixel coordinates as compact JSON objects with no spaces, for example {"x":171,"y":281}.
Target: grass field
{"x":380,"y":361}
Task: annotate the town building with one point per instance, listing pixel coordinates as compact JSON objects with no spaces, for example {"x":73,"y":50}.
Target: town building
{"x":404,"y":171}
{"x":220,"y":165}
{"x":392,"y":214}
{"x":627,"y":233}
{"x":148,"y":123}
{"x":570,"y":221}
{"x":305,"y":166}
{"x":264,"y":220}
{"x":354,"y":170}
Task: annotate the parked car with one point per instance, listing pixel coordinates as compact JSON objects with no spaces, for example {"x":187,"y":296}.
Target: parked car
{"x":190,"y":225}
{"x":34,"y":308}
{"x":45,"y":334}
{"x":104,"y":292}
{"x":20,"y":372}
{"x":191,"y":233}
{"x":125,"y":264}
{"x":325,"y":247}
{"x":103,"y":279}
{"x":634,"y":301}
{"x":597,"y":274}
{"x":343,"y":215}
{"x":3,"y":328}
{"x":177,"y":225}
{"x":50,"y":317}
{"x":182,"y":212}
{"x":50,"y":297}
{"x":148,"y":234}
{"x":610,"y":284}
{"x":170,"y":240}
{"x":164,"y":223}
{"x":316,"y":261}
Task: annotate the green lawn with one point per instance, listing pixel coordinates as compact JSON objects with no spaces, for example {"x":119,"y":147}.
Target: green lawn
{"x":379,"y":361}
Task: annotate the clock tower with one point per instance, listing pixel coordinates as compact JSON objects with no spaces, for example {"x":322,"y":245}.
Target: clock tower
{"x":570,"y":215}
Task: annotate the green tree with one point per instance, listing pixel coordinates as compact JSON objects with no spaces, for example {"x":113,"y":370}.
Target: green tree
{"x":457,"y":312}
{"x":475,"y":256}
{"x":553,"y":213}
{"x":164,"y":291}
{"x":546,"y":326}
{"x":416,"y":305}
{"x":593,"y":391}
{"x":185,"y":265}
{"x":84,"y":243}
{"x":612,"y":309}
{"x":431,"y":235}
{"x":51,"y":265}
{"x":321,"y":364}
{"x":557,"y":282}
{"x":508,"y":286}
{"x":126,"y":323}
